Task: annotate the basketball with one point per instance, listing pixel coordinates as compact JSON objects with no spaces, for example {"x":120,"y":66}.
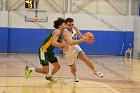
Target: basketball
{"x":90,"y":37}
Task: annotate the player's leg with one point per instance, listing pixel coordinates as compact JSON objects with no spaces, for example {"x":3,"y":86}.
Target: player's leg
{"x":85,"y":59}
{"x":43,"y":61}
{"x":43,"y":70}
{"x":53,"y":60}
{"x":71,"y":58}
{"x":82,"y":56}
{"x":73,"y":71}
{"x":56,"y":66}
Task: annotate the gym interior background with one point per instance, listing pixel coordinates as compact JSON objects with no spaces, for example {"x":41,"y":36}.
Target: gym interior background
{"x":113,"y":22}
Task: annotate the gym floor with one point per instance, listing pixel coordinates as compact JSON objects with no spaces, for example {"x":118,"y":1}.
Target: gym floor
{"x":120,"y":75}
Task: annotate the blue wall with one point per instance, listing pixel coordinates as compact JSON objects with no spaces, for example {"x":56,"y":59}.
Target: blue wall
{"x":109,"y":42}
{"x":3,"y":39}
{"x":25,"y":40}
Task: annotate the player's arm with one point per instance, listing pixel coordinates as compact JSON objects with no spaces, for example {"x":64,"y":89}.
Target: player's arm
{"x":55,"y":37}
{"x":68,"y":38}
{"x":79,"y":34}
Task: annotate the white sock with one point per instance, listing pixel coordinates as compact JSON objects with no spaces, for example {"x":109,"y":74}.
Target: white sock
{"x":74,"y":75}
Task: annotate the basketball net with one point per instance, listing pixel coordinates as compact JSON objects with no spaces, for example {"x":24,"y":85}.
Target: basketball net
{"x":36,"y":19}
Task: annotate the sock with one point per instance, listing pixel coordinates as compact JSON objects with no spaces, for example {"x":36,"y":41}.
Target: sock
{"x":75,"y":78}
{"x":74,"y":75}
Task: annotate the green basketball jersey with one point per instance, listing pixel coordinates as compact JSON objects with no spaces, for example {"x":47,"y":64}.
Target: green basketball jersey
{"x":48,"y":42}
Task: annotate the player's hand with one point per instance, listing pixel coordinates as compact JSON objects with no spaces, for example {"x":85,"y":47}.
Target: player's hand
{"x":89,"y":40}
{"x":65,"y":47}
{"x":85,"y":39}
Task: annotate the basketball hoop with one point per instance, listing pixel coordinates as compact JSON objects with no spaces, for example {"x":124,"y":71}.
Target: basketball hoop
{"x":36,"y":15}
{"x":36,"y":19}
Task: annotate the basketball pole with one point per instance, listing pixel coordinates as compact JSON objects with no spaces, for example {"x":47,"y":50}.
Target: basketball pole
{"x":36,"y":6}
{"x":36,"y":2}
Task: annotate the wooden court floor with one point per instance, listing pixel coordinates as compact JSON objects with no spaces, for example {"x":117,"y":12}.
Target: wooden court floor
{"x":120,"y":75}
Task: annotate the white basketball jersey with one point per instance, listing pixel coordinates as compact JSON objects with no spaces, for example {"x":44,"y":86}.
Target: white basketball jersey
{"x":73,"y":51}
{"x":74,"y":34}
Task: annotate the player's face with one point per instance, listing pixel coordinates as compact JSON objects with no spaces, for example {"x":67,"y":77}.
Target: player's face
{"x":70,"y":25}
{"x":63,"y":26}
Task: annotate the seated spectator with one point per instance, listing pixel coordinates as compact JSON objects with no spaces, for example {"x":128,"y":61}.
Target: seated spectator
{"x":128,"y":52}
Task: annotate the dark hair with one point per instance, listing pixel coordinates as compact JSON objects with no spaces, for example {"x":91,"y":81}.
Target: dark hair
{"x":69,"y":20}
{"x":58,"y":22}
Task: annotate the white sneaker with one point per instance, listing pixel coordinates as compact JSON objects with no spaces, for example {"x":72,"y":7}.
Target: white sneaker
{"x":99,"y":74}
{"x":76,"y":79}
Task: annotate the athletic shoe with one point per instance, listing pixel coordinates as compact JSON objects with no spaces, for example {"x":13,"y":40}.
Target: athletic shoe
{"x":76,"y":80}
{"x":52,"y":79}
{"x":27,"y":71}
{"x":99,"y":74}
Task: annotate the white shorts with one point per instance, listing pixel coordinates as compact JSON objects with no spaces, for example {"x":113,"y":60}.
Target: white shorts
{"x":72,"y":54}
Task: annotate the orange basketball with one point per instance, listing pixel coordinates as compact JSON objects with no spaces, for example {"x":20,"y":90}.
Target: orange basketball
{"x":90,"y":37}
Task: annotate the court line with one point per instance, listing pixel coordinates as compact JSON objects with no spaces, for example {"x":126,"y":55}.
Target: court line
{"x":83,"y":78}
{"x":108,"y":87}
{"x":133,"y":83}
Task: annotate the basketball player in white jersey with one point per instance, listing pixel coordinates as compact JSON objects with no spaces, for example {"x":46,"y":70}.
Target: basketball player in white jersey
{"x":75,"y":52}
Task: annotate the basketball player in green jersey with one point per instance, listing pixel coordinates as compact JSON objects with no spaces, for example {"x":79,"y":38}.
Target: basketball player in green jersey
{"x":46,"y":53}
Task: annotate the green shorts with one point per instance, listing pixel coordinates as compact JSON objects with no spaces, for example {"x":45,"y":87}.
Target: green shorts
{"x":46,"y":57}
